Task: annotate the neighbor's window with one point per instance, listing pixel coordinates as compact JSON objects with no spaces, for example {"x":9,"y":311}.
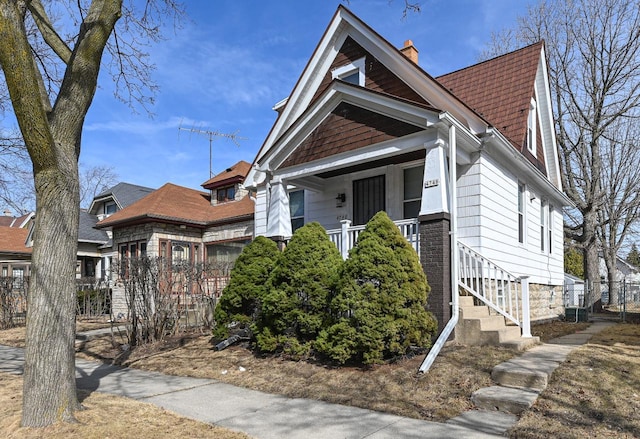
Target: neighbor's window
{"x":110,"y":208}
{"x":412,"y":191}
{"x":227,"y":251}
{"x":226,"y":194}
{"x":296,"y":208}
{"x":521,"y":210}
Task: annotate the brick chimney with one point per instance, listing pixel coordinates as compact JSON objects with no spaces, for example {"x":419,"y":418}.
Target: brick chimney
{"x":410,"y":51}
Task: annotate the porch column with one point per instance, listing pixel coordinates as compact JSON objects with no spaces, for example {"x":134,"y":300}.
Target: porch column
{"x":279,"y":217}
{"x":434,"y":227}
{"x":435,"y":191}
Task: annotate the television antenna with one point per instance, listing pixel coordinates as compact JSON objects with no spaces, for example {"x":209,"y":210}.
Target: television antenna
{"x":211,"y":135}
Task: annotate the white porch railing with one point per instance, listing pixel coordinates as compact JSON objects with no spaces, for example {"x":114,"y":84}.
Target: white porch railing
{"x":346,"y":236}
{"x":495,"y":287}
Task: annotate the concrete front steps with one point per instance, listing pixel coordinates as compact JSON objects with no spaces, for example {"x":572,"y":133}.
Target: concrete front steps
{"x":477,"y":327}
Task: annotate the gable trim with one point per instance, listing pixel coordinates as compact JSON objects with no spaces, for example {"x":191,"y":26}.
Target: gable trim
{"x":337,"y":93}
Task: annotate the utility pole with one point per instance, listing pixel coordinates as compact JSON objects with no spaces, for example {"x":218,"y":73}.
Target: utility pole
{"x":211,"y":134}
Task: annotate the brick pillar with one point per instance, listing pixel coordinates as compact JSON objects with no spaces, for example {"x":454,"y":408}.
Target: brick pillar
{"x":280,"y":241}
{"x":435,"y":257}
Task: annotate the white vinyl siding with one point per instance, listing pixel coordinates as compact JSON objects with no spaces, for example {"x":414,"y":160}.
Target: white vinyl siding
{"x":260,"y":212}
{"x":488,"y":220}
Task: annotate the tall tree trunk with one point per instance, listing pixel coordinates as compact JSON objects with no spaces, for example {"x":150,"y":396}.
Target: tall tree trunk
{"x":52,"y":137}
{"x":591,"y":259}
{"x":49,"y":376}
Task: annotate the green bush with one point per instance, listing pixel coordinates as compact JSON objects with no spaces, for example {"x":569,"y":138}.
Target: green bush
{"x":240,"y":299}
{"x":295,"y":309}
{"x":379,"y":309}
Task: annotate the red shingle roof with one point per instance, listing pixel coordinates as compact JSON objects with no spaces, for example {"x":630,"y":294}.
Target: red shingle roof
{"x":500,"y":90}
{"x":13,"y":239}
{"x":234,"y":174}
{"x":177,"y":204}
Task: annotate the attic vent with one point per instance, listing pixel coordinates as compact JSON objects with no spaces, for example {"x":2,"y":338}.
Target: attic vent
{"x":229,"y":169}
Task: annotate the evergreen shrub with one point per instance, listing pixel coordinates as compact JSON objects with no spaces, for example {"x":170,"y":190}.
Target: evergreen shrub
{"x":295,"y":309}
{"x":379,"y":308}
{"x":240,"y":298}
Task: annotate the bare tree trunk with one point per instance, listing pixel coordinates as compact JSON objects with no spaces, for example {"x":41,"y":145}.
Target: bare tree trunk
{"x":592,"y":268}
{"x":49,"y":378}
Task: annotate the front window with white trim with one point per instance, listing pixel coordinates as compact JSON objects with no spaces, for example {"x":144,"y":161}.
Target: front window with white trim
{"x":296,"y":208}
{"x":412,"y":191}
{"x":352,"y":73}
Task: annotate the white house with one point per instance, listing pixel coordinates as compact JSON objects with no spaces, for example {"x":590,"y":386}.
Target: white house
{"x":469,"y":157}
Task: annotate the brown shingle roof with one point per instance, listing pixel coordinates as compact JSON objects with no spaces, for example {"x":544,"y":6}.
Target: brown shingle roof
{"x":500,"y":90}
{"x":13,"y":239}
{"x":172,"y":203}
{"x":234,"y":174}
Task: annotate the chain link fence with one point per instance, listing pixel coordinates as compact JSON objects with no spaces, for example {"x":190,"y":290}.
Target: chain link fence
{"x":619,"y":298}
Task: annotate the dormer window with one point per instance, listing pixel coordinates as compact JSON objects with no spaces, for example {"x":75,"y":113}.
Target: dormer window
{"x":531,"y":128}
{"x":352,"y":73}
{"x":224,"y":194}
{"x":109,"y":208}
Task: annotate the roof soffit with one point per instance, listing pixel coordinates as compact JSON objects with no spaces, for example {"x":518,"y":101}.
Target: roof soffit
{"x":338,"y":93}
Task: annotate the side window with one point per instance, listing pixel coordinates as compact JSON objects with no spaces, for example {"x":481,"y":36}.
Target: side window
{"x":531,"y":128}
{"x":296,"y":208}
{"x":550,"y":229}
{"x":521,"y":212}
{"x":543,"y":225}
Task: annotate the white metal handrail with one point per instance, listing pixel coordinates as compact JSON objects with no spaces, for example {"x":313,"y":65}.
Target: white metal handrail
{"x":346,"y":236}
{"x":494,"y":286}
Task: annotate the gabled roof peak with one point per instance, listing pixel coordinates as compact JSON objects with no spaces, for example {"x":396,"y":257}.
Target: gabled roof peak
{"x":233,"y":174}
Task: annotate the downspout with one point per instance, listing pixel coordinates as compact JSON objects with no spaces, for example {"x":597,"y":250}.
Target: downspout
{"x":453,"y":196}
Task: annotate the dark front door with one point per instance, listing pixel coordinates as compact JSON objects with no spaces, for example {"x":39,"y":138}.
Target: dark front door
{"x":368,"y":198}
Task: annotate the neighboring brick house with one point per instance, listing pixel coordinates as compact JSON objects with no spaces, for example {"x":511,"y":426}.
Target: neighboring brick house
{"x":181,"y":224}
{"x":95,"y":247}
{"x":15,"y":256}
{"x":468,"y":158}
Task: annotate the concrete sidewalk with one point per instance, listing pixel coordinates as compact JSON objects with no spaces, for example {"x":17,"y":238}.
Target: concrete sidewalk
{"x":258,"y":414}
{"x":267,"y":416}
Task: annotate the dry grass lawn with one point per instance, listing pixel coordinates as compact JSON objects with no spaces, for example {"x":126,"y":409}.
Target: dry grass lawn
{"x":105,"y":416}
{"x":440,"y":394}
{"x":594,"y":394}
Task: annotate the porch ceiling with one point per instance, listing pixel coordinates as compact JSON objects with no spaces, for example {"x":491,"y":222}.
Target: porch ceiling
{"x":393,"y":160}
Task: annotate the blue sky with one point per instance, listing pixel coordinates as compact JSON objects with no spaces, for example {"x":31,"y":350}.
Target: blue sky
{"x":233,"y":60}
